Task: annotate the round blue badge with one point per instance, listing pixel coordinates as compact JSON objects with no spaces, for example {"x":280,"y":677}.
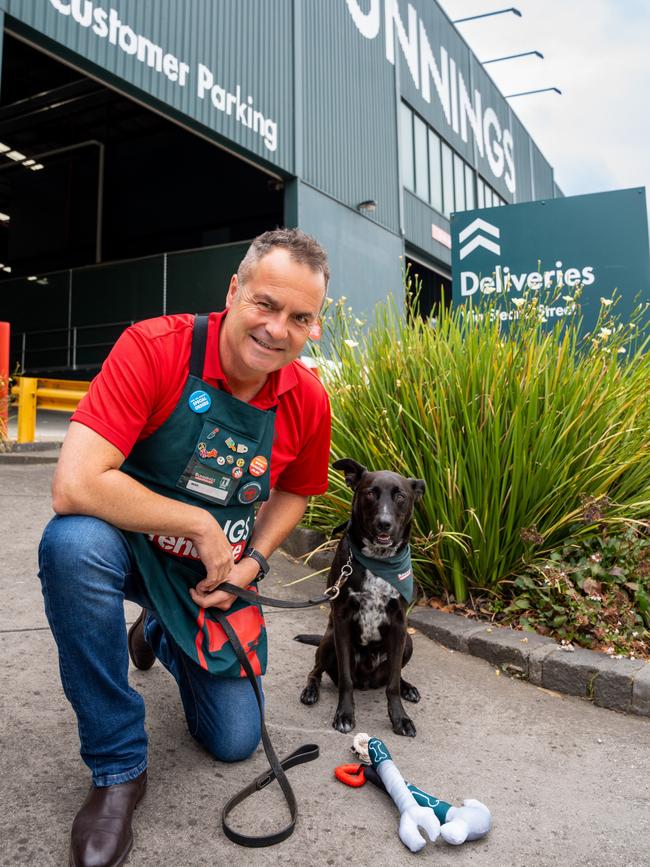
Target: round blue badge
{"x":200,"y":401}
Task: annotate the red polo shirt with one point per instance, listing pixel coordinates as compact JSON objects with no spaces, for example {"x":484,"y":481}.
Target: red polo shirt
{"x":142,"y":379}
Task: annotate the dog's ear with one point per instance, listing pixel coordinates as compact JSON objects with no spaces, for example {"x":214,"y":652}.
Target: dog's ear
{"x":418,"y":486}
{"x":353,"y":471}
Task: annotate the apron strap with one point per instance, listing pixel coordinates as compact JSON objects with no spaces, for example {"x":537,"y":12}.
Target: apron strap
{"x":199,"y":343}
{"x":306,"y":753}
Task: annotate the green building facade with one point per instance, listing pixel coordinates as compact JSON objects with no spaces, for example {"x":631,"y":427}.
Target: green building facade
{"x":364,"y":122}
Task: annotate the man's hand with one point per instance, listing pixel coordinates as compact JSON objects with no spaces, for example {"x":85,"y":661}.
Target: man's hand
{"x":215,"y":552}
{"x":206,"y":594}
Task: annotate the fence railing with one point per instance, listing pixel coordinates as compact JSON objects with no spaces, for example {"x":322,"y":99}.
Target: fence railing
{"x":68,"y":320}
{"x":70,"y":343}
{"x":33,"y":394}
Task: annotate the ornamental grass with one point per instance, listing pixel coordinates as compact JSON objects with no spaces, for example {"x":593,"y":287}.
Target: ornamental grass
{"x":517,"y":427}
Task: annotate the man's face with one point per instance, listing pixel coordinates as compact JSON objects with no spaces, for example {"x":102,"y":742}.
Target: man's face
{"x":270,"y":315}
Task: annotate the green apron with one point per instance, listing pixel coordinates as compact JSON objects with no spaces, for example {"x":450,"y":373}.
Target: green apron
{"x":214,"y":451}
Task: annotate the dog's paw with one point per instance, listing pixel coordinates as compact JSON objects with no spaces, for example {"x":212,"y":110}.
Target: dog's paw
{"x":310,"y":694}
{"x":409,"y":692}
{"x":405,"y":726}
{"x":343,"y":722}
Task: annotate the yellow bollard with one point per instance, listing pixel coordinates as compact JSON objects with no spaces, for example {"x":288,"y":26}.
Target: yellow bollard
{"x":26,"y":409}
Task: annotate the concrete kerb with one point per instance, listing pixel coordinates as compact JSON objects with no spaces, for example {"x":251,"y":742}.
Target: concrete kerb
{"x":30,"y":453}
{"x":617,"y":684}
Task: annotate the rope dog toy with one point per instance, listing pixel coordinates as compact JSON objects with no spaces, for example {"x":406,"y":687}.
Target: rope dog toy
{"x":454,"y":824}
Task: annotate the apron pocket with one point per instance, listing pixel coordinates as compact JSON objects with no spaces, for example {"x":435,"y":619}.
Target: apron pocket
{"x":222,"y":460}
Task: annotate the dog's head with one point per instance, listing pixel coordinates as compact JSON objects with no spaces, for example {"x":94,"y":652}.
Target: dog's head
{"x":382,"y":507}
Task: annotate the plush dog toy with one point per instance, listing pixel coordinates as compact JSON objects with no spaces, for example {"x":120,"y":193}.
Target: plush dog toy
{"x":454,"y":824}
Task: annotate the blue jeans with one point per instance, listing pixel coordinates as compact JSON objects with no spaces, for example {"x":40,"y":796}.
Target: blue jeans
{"x":87,"y":571}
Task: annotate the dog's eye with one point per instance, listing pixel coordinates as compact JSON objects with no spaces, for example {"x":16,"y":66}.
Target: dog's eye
{"x":399,"y":497}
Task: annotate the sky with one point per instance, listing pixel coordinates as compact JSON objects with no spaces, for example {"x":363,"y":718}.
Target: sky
{"x":597,"y":134}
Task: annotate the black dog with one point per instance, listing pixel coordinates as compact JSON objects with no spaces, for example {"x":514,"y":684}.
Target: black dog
{"x":366,"y":643}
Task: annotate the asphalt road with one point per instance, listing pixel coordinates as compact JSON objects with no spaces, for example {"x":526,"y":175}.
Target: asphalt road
{"x":567,"y":782}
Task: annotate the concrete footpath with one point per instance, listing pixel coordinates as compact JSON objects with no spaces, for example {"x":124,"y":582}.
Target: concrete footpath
{"x":567,"y":782}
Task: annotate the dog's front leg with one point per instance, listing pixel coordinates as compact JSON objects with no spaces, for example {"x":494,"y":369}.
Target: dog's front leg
{"x":344,"y":716}
{"x":396,"y":637}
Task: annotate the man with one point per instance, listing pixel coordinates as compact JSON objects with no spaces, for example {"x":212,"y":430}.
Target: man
{"x":189,"y":426}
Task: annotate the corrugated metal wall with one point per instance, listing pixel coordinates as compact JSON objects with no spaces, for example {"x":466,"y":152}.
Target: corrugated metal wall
{"x":350,"y":126}
{"x":418,"y":220}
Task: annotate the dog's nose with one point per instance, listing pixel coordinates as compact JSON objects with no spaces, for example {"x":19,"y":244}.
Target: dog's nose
{"x":384,"y":526}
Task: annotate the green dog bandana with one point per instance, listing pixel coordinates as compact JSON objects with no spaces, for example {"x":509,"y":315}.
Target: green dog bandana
{"x":396,"y":570}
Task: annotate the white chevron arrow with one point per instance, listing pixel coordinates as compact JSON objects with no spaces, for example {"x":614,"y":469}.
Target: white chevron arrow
{"x":478,"y":223}
{"x":480,"y":241}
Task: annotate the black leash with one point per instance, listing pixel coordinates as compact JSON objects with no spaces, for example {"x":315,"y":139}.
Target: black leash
{"x":250,"y":596}
{"x":305,"y":753}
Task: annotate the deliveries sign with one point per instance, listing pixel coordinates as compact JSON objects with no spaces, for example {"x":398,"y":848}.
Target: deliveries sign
{"x":598,"y":242}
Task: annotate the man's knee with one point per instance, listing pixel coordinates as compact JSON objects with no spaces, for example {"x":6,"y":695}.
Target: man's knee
{"x":233,"y":746}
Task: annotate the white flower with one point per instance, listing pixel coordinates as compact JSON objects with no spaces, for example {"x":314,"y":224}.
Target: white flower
{"x":359,"y":322}
{"x":622,"y":350}
{"x":605,"y":301}
{"x":518,"y":302}
{"x":351,"y":343}
{"x":489,"y":290}
{"x":568,"y":299}
{"x":604,"y":333}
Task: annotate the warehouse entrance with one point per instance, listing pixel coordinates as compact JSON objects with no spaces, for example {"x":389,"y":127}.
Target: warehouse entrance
{"x":109,"y":213}
{"x":427,"y":286}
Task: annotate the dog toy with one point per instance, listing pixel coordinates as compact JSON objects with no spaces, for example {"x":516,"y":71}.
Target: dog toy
{"x":412,"y":815}
{"x":456,"y":824}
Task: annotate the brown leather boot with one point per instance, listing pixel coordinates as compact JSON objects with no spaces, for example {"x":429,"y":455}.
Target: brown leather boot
{"x":101,"y":831}
{"x":142,"y":656}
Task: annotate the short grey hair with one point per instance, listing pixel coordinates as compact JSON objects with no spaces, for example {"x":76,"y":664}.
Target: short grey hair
{"x":302,"y":248}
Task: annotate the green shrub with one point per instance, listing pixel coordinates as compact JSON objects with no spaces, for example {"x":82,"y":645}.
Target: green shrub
{"x":593,"y":591}
{"x":513,"y":431}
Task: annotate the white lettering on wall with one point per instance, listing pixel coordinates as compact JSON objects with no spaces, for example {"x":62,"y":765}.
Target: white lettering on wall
{"x":463,"y":112}
{"x":440,"y":74}
{"x":106,"y":24}
{"x":408,"y":44}
{"x":471,"y":113}
{"x":368,"y":23}
{"x":493,"y":149}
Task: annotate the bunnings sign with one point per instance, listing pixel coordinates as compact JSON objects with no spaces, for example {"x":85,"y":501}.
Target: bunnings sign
{"x":596,"y":244}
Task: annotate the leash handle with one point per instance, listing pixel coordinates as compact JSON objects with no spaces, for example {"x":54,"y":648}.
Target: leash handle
{"x":306,"y":753}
